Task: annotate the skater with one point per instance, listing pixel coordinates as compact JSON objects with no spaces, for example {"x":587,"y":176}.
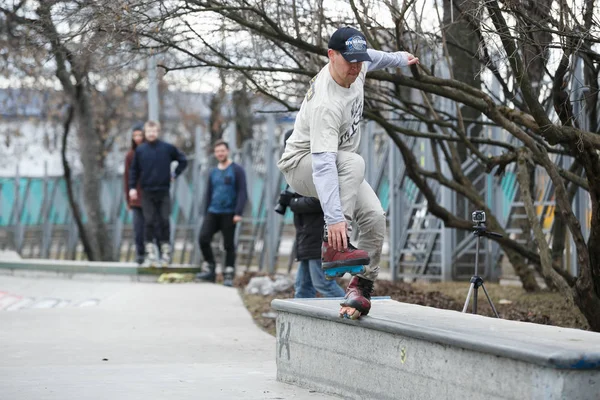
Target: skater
{"x":137,"y":138}
{"x":151,"y":167}
{"x":320,"y":160}
{"x":225,"y":201}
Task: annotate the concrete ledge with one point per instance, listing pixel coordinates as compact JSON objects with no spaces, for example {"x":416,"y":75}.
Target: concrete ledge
{"x":66,"y":267}
{"x":404,"y":351}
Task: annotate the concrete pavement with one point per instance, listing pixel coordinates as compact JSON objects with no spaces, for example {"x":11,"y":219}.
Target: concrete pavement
{"x":141,"y":341}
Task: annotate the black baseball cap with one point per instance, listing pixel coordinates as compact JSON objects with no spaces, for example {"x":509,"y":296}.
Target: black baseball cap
{"x":350,"y":43}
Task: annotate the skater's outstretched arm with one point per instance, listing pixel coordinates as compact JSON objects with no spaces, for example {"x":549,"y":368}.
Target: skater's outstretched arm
{"x":382,"y":59}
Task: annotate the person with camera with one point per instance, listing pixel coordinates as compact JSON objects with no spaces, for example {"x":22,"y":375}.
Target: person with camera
{"x":320,"y":160}
{"x":226,"y":198}
{"x":308,"y":220}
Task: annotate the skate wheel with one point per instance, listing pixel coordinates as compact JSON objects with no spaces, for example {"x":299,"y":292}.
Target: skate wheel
{"x":354,"y":316}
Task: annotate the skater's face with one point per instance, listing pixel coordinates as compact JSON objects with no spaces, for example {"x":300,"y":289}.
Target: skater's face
{"x":343,"y":72}
{"x":221,"y":153}
{"x":151,"y":133}
{"x":138,"y":137}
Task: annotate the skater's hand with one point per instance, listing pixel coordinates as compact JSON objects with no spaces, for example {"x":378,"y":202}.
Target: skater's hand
{"x":337,"y":235}
{"x":133,"y":194}
{"x":412,"y":59}
{"x":237,"y":218}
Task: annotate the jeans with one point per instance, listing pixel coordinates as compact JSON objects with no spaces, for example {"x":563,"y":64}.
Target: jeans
{"x":212,"y":224}
{"x":138,"y":230}
{"x":359,"y":202}
{"x":156,"y":207}
{"x":311,"y":278}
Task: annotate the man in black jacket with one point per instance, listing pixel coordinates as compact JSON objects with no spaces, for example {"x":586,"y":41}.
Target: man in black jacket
{"x":151,"y":166}
{"x":309,"y":221}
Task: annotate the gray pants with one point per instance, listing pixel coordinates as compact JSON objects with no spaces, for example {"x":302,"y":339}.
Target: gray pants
{"x":359,"y":201}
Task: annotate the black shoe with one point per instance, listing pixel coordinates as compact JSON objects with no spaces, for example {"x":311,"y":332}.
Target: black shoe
{"x":208,"y":275}
{"x":228,"y":276}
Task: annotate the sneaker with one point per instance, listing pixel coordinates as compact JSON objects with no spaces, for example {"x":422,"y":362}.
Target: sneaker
{"x":358,"y":296}
{"x":151,"y":259}
{"x":351,"y":256}
{"x":165,"y":258}
{"x":139,"y":259}
{"x":228,"y":276}
{"x":208,"y":275}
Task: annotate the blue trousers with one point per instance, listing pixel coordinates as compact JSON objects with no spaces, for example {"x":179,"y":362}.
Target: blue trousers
{"x":310,"y":279}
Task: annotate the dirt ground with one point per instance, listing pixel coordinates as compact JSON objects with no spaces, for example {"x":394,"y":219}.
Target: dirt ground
{"x":512,"y":302}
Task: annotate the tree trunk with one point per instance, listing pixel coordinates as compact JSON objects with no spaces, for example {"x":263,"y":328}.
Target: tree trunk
{"x":522,"y":270}
{"x":216,"y":119}
{"x":91,"y":150}
{"x":559,"y":227}
{"x":587,"y":296}
{"x":587,"y":287}
{"x":518,"y":262}
{"x":87,"y":248}
{"x":243,"y":115}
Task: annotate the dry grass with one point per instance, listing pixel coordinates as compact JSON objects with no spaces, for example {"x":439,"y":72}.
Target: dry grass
{"x":512,"y":302}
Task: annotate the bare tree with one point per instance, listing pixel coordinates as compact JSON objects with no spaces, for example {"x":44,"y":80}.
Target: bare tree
{"x":512,"y":72}
{"x":85,"y":52}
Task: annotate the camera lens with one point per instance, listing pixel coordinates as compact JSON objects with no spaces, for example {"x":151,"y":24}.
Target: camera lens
{"x":280,"y":209}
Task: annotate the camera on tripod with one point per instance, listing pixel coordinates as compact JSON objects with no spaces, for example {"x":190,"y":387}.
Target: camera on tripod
{"x":285,"y":197}
{"x":479,"y":230}
{"x":478,"y":217}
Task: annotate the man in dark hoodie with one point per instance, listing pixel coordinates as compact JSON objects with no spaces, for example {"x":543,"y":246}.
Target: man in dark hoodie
{"x":226,"y":198}
{"x":152,"y":167}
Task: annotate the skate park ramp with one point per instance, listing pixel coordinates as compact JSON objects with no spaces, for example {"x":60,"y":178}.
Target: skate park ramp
{"x":406,"y":351}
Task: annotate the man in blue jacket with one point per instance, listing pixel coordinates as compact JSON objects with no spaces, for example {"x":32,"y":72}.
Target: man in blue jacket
{"x":152,"y":167}
{"x":226,"y":198}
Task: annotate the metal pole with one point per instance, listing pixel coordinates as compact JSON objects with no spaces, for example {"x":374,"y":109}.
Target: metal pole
{"x":476,"y":274}
{"x":44,"y":220}
{"x":197,"y":197}
{"x":395,"y":208}
{"x":153,"y":103}
{"x":269,"y":195}
{"x":370,"y":155}
{"x":580,"y":206}
{"x":17,"y":209}
{"x":477,"y":257}
{"x":448,"y":200}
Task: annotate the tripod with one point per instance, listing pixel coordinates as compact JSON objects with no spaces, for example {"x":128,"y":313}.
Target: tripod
{"x":477,"y":281}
